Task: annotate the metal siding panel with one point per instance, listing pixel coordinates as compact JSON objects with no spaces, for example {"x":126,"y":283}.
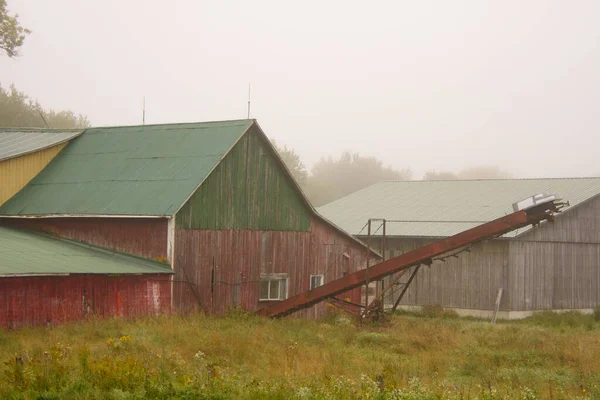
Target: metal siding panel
{"x":247,"y":190}
{"x":145,"y":237}
{"x":52,"y":300}
{"x":15,"y":173}
{"x":243,"y":255}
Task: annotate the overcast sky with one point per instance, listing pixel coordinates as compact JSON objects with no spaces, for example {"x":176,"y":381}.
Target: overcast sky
{"x":426,"y":85}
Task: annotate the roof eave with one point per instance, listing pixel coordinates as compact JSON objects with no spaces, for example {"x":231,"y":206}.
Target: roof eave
{"x":39,"y":216}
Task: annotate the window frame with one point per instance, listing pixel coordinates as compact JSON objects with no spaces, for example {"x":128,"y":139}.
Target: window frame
{"x":322,"y":278}
{"x":274,"y":278}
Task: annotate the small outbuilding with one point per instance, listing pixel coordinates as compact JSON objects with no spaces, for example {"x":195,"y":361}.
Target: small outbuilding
{"x":47,"y":280}
{"x":553,"y":266}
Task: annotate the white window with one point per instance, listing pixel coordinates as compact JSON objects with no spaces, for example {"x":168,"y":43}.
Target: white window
{"x":273,"y":287}
{"x":316,"y":281}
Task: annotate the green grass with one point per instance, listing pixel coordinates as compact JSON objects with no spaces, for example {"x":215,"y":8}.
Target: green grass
{"x":415,"y":356}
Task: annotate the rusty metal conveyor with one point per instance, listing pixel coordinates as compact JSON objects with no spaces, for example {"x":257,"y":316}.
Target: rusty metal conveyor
{"x":422,"y":255}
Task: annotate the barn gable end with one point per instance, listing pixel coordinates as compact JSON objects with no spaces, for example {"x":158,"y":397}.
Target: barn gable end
{"x":247,"y":190}
{"x":249,"y":221}
{"x":580,"y":224}
{"x":555,"y":266}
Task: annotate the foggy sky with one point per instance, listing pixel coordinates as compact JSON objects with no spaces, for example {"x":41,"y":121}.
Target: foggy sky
{"x":426,"y":85}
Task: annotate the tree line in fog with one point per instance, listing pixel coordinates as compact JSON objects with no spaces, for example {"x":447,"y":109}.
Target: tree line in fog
{"x":332,"y":178}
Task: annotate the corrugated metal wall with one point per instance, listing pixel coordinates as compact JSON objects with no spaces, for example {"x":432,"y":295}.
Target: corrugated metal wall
{"x":248,"y":190}
{"x":241,"y":256}
{"x":557,"y":265}
{"x":470,"y":281}
{"x":16,"y":172}
{"x":56,"y":299}
{"x":143,"y":237}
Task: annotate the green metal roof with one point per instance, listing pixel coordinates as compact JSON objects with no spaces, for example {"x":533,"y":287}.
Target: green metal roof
{"x":29,"y":253}
{"x":445,"y":208}
{"x":15,"y":143}
{"x":135,"y":170}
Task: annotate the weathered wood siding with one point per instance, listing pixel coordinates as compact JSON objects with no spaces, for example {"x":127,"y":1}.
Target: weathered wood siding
{"x":580,"y":225}
{"x":247,"y":190}
{"x":470,"y":281}
{"x":143,"y":237}
{"x":552,"y":266}
{"x":241,"y":256}
{"x":551,"y":275}
{"x":16,"y":172}
{"x":557,"y":265}
{"x":46,"y":300}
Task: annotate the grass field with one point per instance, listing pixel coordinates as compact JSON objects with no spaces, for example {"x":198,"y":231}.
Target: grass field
{"x":416,"y":356}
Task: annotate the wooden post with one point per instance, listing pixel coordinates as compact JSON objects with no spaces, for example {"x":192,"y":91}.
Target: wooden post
{"x":497,"y":307}
{"x":383,"y":250}
{"x":368,"y":263}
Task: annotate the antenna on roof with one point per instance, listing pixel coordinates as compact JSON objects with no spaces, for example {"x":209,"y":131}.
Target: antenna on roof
{"x":43,"y":119}
{"x":144,"y":111}
{"x":248,"y":100}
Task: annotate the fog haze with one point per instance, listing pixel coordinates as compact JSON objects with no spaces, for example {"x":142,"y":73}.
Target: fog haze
{"x":424,"y":85}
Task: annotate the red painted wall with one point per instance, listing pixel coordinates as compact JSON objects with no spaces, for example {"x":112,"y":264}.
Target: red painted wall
{"x":240,"y":256}
{"x":143,"y":237}
{"x":56,"y":299}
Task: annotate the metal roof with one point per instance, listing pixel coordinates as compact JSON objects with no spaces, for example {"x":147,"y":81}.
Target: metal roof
{"x":445,"y":208}
{"x":148,"y":170}
{"x":14,"y":143}
{"x":29,"y":253}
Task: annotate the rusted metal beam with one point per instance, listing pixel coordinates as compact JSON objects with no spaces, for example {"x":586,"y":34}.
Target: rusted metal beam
{"x":405,"y":288}
{"x":488,"y":230}
{"x":380,"y":295}
{"x":347,"y":302}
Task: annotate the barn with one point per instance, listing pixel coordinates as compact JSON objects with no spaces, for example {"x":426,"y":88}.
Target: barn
{"x":47,"y":280}
{"x":24,"y":153}
{"x":553,"y":266}
{"x":213,"y":200}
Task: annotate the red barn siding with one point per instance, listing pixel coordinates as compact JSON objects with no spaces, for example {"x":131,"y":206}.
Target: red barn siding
{"x":55,"y":299}
{"x":241,"y":256}
{"x":143,"y":237}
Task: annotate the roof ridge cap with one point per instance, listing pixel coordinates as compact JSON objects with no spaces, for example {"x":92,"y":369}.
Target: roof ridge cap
{"x":169,"y":124}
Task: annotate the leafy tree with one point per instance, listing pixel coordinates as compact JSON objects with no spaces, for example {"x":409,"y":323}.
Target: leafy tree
{"x":479,"y":172}
{"x":18,"y":110}
{"x":335,"y":178}
{"x":12,"y":34}
{"x":293,"y":162}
